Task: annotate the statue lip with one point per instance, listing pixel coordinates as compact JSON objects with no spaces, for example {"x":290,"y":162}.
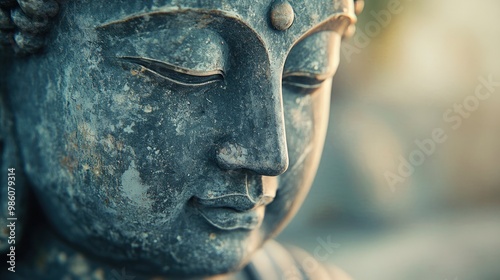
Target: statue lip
{"x":231,"y":219}
{"x":236,"y":201}
{"x":233,"y":211}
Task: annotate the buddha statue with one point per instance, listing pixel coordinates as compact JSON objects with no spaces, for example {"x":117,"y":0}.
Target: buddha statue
{"x":163,"y":139}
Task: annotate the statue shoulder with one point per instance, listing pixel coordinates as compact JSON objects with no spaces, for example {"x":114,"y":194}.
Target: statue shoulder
{"x":275,"y":261}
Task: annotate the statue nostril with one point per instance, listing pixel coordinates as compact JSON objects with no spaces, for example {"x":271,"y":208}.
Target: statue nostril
{"x":254,"y":189}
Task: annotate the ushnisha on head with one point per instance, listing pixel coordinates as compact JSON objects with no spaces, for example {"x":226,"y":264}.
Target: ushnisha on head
{"x":173,"y":137}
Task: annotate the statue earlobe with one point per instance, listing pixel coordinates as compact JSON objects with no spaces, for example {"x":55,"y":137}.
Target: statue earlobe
{"x":13,"y":196}
{"x":359,"y":5}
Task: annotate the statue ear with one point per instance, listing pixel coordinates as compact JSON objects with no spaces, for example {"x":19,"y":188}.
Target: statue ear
{"x":359,"y":5}
{"x":13,"y":196}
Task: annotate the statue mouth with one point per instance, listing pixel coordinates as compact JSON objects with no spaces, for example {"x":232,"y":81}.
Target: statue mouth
{"x":230,"y":219}
{"x":233,"y":211}
{"x":234,"y":208}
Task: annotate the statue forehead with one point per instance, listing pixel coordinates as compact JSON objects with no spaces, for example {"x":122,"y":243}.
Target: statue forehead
{"x":256,"y":12}
{"x":300,"y":17}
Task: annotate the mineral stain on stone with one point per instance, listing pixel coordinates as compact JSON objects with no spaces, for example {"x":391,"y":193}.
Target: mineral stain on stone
{"x":133,"y":188}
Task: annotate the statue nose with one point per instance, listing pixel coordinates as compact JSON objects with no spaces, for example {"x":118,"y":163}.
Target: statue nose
{"x":258,"y":139}
{"x":267,"y":157}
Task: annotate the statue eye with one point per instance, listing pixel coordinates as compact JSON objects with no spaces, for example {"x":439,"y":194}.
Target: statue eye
{"x":176,"y":74}
{"x":312,"y":62}
{"x":304,"y":81}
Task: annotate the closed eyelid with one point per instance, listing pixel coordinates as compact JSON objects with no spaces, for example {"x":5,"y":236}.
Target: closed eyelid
{"x":176,"y":74}
{"x":318,"y":75}
{"x":153,"y":63}
{"x":304,"y":80}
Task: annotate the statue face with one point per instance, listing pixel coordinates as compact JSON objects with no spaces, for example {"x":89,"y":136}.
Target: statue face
{"x":176,"y":138}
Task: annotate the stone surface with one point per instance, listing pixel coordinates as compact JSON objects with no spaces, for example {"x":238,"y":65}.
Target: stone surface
{"x":173,"y":138}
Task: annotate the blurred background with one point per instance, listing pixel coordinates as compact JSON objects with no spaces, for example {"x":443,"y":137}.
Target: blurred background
{"x":421,"y":71}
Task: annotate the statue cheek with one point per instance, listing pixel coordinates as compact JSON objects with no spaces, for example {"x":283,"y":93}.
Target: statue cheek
{"x":300,"y":124}
{"x":306,"y":123}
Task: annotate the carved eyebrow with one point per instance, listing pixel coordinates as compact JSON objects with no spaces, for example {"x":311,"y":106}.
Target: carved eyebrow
{"x":201,"y":17}
{"x":204,"y":17}
{"x":337,"y":22}
{"x":172,"y":11}
{"x":219,"y":21}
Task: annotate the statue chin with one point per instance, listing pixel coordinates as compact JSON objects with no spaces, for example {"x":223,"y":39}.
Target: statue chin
{"x":173,"y":140}
{"x":185,"y":247}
